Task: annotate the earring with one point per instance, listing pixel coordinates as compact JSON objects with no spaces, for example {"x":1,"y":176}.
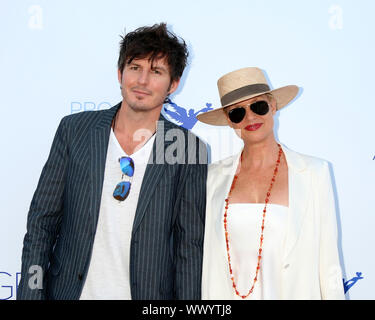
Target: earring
{"x":167,"y":100}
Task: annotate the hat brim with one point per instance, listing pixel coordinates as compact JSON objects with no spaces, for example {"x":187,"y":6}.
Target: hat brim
{"x":282,"y":95}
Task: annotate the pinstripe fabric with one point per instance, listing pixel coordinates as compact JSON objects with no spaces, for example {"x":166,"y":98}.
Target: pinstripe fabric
{"x":167,"y":236}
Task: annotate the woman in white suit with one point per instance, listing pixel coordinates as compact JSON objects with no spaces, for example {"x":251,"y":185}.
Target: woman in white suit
{"x":270,"y":220}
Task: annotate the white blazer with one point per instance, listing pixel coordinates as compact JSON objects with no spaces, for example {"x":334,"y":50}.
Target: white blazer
{"x":311,"y":266}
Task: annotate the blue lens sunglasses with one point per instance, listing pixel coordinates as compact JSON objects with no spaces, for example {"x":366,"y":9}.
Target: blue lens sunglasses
{"x":123,"y":188}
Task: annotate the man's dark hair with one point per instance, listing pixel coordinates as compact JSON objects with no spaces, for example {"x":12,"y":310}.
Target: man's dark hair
{"x":154,"y":42}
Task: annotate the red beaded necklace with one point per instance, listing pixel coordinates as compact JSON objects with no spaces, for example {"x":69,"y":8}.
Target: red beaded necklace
{"x":261,"y":236}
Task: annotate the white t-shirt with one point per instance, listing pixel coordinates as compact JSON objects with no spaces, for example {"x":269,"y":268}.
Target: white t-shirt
{"x":244,"y":227}
{"x":108,"y":274}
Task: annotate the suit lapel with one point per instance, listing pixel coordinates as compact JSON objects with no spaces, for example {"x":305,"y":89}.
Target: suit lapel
{"x":99,"y":137}
{"x":223,"y":182}
{"x":154,"y":170}
{"x":299,"y":197}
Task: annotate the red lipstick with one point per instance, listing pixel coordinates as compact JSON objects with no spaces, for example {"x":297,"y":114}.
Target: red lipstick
{"x":253,"y":127}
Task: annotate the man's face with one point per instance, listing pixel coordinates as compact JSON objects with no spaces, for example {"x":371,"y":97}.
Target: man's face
{"x":145,"y":85}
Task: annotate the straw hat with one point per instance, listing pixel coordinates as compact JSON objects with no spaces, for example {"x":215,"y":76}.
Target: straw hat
{"x":241,"y":85}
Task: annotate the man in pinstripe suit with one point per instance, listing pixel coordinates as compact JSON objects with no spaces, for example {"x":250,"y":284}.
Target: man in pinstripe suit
{"x":144,"y":239}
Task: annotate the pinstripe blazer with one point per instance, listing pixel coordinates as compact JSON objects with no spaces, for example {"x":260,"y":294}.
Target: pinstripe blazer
{"x":168,"y":229}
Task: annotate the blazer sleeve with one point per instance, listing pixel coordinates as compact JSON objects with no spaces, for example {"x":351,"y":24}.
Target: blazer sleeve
{"x":331,"y":282}
{"x":189,"y":232}
{"x":44,"y":219}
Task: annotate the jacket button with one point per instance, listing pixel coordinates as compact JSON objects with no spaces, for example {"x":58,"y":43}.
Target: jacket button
{"x":80,"y":277}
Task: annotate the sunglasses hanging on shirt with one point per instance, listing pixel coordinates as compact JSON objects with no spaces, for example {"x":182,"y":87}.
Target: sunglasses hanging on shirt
{"x":260,"y":108}
{"x":123,"y":188}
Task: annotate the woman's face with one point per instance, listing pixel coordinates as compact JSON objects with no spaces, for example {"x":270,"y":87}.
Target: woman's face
{"x":254,"y":128}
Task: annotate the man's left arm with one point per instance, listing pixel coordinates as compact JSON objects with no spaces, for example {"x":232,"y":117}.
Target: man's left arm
{"x":189,"y":228}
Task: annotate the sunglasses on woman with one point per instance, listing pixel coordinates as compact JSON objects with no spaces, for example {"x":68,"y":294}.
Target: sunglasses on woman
{"x":260,"y":108}
{"x":123,"y":188}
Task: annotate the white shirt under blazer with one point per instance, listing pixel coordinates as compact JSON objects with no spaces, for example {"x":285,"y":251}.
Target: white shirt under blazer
{"x":310,"y":267}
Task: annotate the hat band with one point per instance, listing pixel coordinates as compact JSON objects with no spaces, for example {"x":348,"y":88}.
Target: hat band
{"x":243,"y":92}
